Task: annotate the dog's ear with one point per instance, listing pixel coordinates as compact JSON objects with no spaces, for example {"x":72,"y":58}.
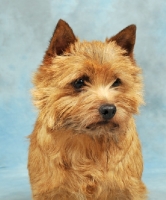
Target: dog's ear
{"x":62,"y":37}
{"x":126,"y":39}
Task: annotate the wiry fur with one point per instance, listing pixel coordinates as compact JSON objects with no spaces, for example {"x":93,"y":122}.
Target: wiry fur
{"x":72,"y":155}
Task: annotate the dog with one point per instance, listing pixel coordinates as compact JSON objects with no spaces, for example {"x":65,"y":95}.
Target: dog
{"x":84,"y":145}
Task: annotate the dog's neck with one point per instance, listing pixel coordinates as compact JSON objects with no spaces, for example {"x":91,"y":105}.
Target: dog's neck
{"x":82,"y":148}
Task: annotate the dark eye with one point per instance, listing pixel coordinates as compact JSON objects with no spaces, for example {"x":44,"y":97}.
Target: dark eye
{"x":81,"y":82}
{"x":117,"y":83}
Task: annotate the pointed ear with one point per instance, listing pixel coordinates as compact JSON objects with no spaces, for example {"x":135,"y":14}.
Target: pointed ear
{"x":126,"y":39}
{"x":62,"y":37}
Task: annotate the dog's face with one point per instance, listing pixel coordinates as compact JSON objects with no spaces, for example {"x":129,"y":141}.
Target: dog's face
{"x":91,"y":87}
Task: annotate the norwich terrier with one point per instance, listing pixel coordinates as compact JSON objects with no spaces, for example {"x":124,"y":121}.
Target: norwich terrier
{"x":85,"y":145}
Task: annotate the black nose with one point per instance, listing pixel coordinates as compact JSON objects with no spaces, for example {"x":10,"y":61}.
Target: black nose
{"x":107,"y":111}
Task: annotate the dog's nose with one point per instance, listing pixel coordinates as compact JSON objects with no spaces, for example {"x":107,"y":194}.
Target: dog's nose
{"x":107,"y":111}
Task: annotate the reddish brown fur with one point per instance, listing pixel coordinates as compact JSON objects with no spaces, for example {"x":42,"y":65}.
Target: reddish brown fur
{"x":73,"y":155}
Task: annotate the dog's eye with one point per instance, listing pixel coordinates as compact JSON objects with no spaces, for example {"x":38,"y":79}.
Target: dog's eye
{"x":79,"y":83}
{"x":117,"y":83}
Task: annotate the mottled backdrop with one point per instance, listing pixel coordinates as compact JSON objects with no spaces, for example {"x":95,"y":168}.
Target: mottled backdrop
{"x":25,"y":29}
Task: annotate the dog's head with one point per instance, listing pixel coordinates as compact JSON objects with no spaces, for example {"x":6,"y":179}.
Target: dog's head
{"x":88,"y":87}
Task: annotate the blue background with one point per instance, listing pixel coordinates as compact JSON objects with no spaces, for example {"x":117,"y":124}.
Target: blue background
{"x":25,"y":30}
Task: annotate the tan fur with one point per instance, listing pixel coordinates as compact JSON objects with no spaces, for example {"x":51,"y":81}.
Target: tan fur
{"x":72,"y":156}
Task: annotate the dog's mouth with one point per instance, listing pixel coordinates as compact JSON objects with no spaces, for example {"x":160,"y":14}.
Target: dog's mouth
{"x":104,"y":125}
{"x":101,"y":124}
